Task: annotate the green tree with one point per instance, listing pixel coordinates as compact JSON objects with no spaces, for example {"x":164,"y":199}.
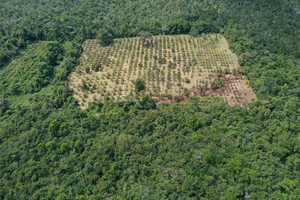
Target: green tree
{"x":105,"y":38}
{"x":194,"y":31}
{"x":147,"y":103}
{"x":3,"y":106}
{"x":146,"y":38}
{"x":139,"y":85}
{"x":52,"y":55}
{"x":54,"y":128}
{"x":50,"y":146}
{"x":218,"y":83}
{"x":96,"y":66}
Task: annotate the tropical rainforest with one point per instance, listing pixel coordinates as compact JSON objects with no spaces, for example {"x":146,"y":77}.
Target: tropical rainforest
{"x":50,"y":148}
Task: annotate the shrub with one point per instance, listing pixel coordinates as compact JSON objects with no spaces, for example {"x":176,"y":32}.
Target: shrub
{"x":186,"y":92}
{"x":146,"y":38}
{"x":162,"y":61}
{"x":146,"y":103}
{"x":187,"y":80}
{"x":96,"y":66}
{"x":84,"y":86}
{"x":218,"y":83}
{"x":87,"y":70}
{"x":139,"y":85}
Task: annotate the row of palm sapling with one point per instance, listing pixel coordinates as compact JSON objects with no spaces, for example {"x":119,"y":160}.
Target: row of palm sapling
{"x":167,"y":64}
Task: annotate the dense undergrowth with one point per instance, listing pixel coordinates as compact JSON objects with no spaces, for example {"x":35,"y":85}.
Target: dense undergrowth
{"x":51,"y":149}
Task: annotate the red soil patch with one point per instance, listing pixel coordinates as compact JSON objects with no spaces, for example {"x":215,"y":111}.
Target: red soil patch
{"x":235,"y":92}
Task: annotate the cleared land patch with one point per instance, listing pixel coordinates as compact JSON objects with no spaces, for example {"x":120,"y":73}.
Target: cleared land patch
{"x":171,"y":66}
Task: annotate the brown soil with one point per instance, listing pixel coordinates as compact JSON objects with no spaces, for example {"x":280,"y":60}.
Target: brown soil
{"x":188,"y":63}
{"x":235,"y":92}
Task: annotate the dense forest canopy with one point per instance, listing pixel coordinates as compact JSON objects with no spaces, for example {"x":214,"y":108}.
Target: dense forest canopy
{"x":201,"y":149}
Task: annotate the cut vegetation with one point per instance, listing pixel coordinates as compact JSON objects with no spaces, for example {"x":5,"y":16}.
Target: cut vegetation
{"x":171,"y":68}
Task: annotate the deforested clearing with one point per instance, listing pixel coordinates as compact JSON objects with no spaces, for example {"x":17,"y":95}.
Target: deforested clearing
{"x":173,"y":68}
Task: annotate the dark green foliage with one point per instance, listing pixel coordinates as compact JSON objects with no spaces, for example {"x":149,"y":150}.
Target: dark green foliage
{"x":139,"y":85}
{"x":146,"y":103}
{"x":193,"y":122}
{"x":54,"y":128}
{"x":218,"y":83}
{"x":209,"y":148}
{"x":3,"y":106}
{"x":87,"y":70}
{"x":84,"y":86}
{"x":186,"y":91}
{"x":105,"y":38}
{"x":200,"y":149}
{"x":54,"y":50}
{"x":33,"y":70}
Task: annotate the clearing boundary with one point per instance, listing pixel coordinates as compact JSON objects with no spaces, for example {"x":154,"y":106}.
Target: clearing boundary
{"x":172,"y":67}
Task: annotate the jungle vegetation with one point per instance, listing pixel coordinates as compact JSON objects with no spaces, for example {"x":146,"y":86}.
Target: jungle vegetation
{"x":200,"y":149}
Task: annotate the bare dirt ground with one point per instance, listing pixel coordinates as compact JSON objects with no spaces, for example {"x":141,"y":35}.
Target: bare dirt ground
{"x":235,"y":92}
{"x":170,"y":66}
